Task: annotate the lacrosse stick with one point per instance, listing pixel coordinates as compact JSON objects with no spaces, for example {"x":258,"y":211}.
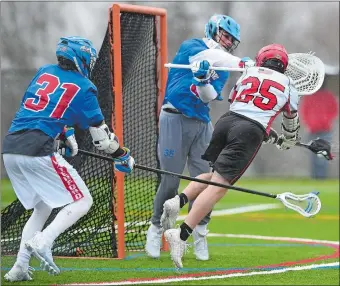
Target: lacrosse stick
{"x":318,"y":146}
{"x":306,"y":70}
{"x":290,"y":200}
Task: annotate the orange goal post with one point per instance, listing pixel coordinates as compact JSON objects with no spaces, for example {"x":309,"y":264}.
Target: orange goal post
{"x":160,"y":18}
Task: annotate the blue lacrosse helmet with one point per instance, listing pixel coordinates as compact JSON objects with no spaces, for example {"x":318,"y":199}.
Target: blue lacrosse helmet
{"x":80,"y":51}
{"x":222,"y":22}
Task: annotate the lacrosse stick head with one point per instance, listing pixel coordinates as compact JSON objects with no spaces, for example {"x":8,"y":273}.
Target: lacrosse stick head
{"x":308,"y":205}
{"x":307,"y":72}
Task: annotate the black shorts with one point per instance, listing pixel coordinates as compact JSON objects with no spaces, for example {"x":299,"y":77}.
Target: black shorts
{"x":233,"y":146}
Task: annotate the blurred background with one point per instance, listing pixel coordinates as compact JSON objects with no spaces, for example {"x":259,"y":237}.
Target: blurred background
{"x":30,"y":31}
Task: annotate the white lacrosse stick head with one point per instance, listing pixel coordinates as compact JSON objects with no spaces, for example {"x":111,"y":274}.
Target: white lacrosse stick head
{"x":308,"y":205}
{"x":307,"y":72}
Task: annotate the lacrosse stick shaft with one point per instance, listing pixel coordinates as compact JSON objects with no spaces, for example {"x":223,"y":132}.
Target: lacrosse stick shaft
{"x":178,"y":66}
{"x":137,"y":166}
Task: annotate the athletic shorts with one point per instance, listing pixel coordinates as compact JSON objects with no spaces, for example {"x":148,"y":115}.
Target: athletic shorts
{"x":233,"y":146}
{"x":50,"y":179}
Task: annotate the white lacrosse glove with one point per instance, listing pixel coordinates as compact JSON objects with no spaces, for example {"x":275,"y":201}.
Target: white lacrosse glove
{"x":284,"y":143}
{"x":271,"y":138}
{"x":290,"y":131}
{"x":68,"y":145}
{"x":201,"y":72}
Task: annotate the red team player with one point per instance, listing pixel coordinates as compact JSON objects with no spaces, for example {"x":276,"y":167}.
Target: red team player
{"x":261,"y":93}
{"x":59,"y":95}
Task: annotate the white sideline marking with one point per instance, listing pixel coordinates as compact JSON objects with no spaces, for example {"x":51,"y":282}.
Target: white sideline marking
{"x":239,"y":210}
{"x":181,"y":279}
{"x":278,"y":238}
{"x":232,"y":211}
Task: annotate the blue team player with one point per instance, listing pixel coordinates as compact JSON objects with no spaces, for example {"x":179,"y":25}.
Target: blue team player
{"x":59,"y":95}
{"x":185,"y":128}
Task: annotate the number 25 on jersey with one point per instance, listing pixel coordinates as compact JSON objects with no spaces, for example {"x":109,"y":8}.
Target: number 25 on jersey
{"x":259,"y":93}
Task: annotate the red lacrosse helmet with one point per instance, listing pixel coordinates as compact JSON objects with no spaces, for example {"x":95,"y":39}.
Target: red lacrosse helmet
{"x":272,"y":56}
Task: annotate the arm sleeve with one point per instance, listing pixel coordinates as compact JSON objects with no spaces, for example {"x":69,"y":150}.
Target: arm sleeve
{"x":216,"y":58}
{"x":293,"y":99}
{"x":89,"y":112}
{"x":206,"y":93}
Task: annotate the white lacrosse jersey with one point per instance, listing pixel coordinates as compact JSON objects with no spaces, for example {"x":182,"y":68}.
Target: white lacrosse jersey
{"x":261,"y":94}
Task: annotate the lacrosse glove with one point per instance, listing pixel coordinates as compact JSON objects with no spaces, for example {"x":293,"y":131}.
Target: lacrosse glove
{"x":246,"y":62}
{"x":68,"y":145}
{"x":271,"y":138}
{"x":125,"y":162}
{"x":201,"y":72}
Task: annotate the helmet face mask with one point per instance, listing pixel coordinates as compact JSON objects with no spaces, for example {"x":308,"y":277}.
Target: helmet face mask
{"x":80,"y":51}
{"x":219,"y":28}
{"x":273,"y":56}
{"x":226,"y":41}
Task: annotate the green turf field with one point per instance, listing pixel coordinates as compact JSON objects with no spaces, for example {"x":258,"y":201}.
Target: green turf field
{"x":258,"y":244}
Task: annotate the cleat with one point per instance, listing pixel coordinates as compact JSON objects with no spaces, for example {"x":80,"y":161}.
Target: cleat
{"x":19,"y":273}
{"x":200,"y":242}
{"x":170,"y":213}
{"x":153,"y":241}
{"x":43,"y":253}
{"x":176,"y":245}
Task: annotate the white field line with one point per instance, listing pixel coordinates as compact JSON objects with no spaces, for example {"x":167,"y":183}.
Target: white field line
{"x":182,"y":279}
{"x":225,"y":212}
{"x":277,"y":238}
{"x":239,"y":210}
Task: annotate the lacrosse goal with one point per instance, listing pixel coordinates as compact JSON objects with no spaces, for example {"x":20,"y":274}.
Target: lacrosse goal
{"x":130,"y":77}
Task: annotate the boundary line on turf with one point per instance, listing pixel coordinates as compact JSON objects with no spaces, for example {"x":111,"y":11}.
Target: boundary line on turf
{"x":238,"y":274}
{"x":278,"y":268}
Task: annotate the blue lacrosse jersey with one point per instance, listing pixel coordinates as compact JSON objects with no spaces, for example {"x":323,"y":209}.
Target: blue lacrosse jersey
{"x":55,"y":98}
{"x":180,"y":91}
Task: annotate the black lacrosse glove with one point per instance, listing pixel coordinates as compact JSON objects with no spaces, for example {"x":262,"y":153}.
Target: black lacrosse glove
{"x":321,"y":148}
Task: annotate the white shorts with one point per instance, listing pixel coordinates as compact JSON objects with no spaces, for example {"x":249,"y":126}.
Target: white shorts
{"x":50,"y":179}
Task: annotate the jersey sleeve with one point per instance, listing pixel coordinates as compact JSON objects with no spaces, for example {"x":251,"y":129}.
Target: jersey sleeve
{"x":217,"y":58}
{"x":89,"y":111}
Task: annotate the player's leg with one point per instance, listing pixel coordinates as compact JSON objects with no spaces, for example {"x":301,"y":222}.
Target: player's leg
{"x":172,"y":157}
{"x":197,"y":166}
{"x":190,"y":193}
{"x":244,"y":139}
{"x":28,"y":197}
{"x":58,"y":184}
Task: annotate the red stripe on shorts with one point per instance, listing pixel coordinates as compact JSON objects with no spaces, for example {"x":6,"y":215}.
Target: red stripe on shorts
{"x":67,"y":180}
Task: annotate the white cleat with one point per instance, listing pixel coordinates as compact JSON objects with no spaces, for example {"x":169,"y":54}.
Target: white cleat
{"x":153,"y":241}
{"x":170,"y":213}
{"x":176,"y":245}
{"x":19,"y":273}
{"x":43,"y":253}
{"x":200,"y":242}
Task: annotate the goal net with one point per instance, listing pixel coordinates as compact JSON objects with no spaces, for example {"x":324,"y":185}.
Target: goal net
{"x":130,"y":77}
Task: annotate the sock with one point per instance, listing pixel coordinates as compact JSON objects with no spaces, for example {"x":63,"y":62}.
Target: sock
{"x":67,"y":217}
{"x":35,"y":223}
{"x":186,"y":231}
{"x":183,"y":199}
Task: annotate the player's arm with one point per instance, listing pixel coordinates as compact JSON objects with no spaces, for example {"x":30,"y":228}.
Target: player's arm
{"x":102,"y":138}
{"x":201,"y":79}
{"x":290,"y":123}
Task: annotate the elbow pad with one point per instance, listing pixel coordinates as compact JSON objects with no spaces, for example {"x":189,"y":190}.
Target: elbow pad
{"x":206,"y":92}
{"x":290,"y":126}
{"x":103,"y":139}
